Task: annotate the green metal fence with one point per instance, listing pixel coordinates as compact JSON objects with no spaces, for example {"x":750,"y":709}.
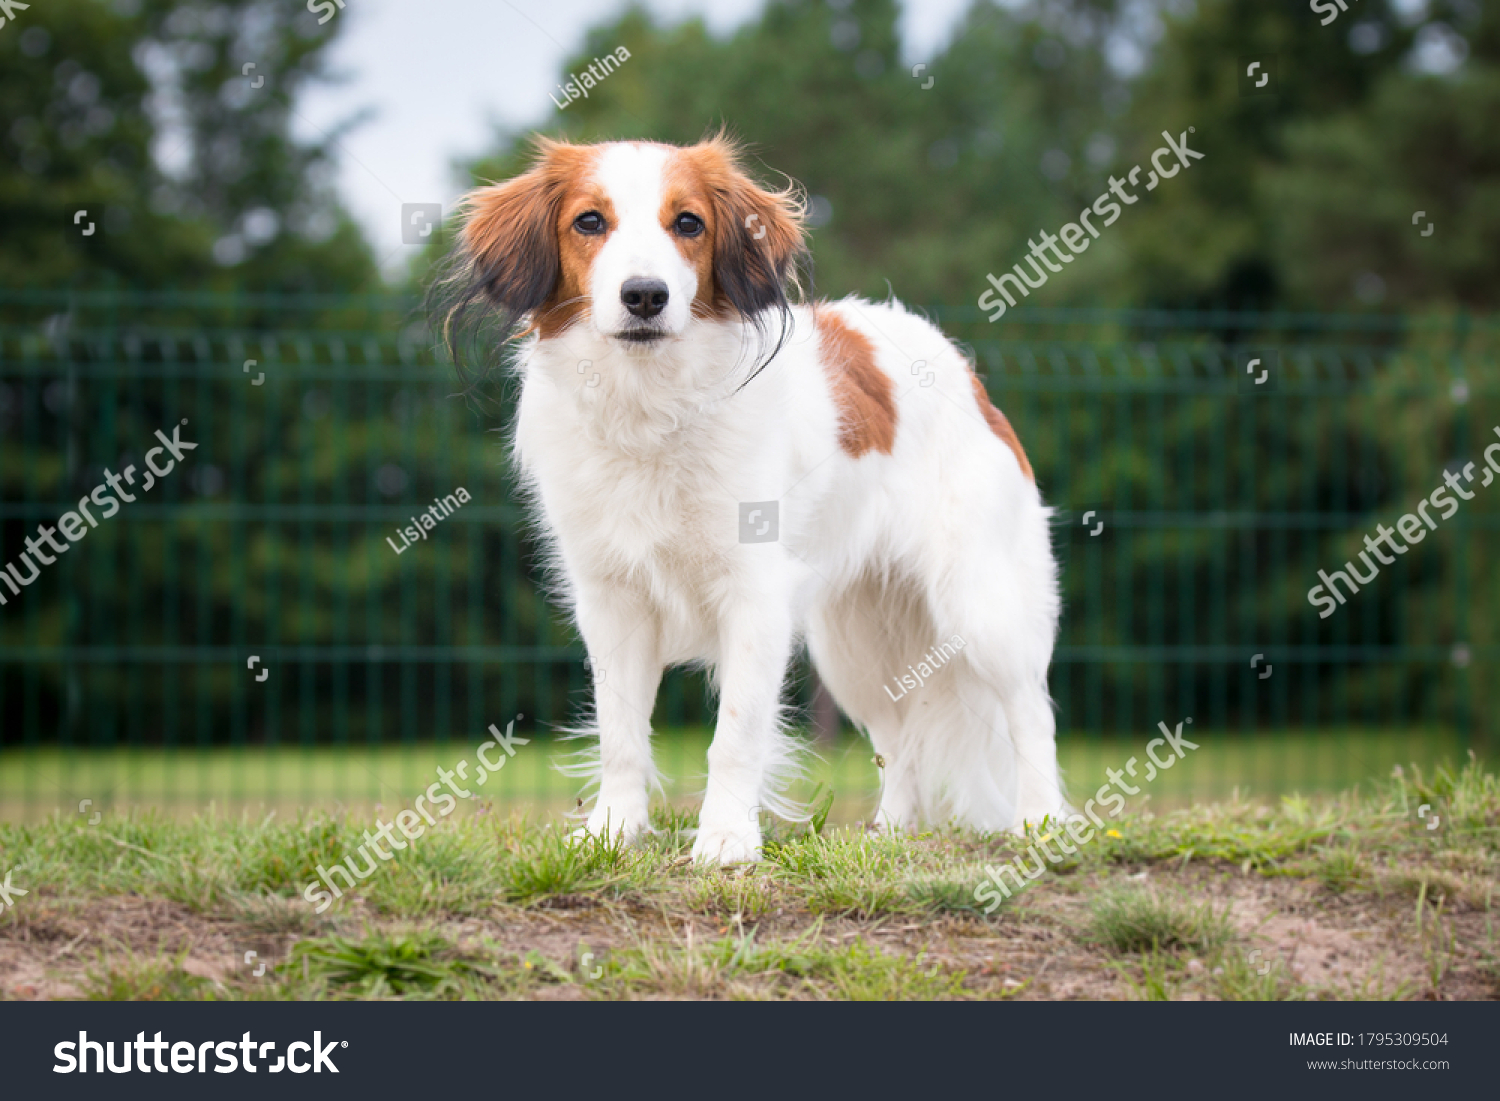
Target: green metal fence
{"x":323,"y":425}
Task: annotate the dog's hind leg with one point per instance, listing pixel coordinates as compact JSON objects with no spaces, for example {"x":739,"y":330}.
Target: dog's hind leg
{"x":1034,"y":728}
{"x":994,"y":605}
{"x":861,"y":640}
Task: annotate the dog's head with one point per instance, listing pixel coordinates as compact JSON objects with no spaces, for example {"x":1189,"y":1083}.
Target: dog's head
{"x":636,"y":240}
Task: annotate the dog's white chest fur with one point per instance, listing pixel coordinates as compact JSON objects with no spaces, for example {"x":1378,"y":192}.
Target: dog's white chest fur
{"x":639,"y":498}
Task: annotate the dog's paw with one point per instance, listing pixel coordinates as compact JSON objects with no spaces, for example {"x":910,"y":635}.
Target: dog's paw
{"x":892,"y":822}
{"x":612,"y":822}
{"x":735,"y":844}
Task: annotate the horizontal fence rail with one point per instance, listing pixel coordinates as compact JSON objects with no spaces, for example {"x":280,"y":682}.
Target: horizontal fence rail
{"x":258,"y":597}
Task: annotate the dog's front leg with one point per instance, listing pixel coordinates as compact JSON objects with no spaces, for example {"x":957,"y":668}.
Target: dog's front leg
{"x":755,"y":644}
{"x":621,"y":636}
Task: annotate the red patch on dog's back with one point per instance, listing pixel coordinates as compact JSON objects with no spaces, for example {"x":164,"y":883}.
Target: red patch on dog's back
{"x":1000,"y":426}
{"x":861,"y":390}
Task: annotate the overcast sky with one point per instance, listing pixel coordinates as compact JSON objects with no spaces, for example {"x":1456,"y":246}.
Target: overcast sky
{"x":441,"y":74}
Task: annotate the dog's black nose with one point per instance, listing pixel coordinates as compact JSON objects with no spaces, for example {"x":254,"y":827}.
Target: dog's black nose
{"x":644,"y":297}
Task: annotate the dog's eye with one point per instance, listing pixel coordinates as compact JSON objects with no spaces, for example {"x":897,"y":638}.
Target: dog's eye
{"x":688,"y":225}
{"x":590,"y":223}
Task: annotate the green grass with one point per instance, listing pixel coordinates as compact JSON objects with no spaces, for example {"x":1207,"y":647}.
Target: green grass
{"x":745,"y":968}
{"x":408,"y":965}
{"x":1138,"y":919}
{"x":39,"y":782}
{"x":146,"y":980}
{"x":551,"y":863}
{"x":1340,"y":869}
{"x":150,"y":905}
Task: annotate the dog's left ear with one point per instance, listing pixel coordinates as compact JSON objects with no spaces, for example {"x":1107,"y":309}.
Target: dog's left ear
{"x":758,"y":234}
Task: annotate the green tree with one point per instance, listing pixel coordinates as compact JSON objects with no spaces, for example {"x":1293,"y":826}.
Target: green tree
{"x":1304,"y":192}
{"x":144,"y":114}
{"x":1349,"y":194}
{"x":917,"y":189}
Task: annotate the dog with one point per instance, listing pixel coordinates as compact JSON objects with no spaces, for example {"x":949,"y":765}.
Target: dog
{"x":724,"y":474}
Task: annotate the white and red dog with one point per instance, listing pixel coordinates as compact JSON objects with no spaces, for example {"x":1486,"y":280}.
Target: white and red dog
{"x":653,"y":422}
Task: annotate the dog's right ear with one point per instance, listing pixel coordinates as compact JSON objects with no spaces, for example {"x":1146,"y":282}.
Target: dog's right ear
{"x":509,"y":238}
{"x":506,"y":263}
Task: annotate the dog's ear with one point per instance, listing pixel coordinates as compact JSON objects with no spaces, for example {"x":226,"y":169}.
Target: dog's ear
{"x":509,"y":237}
{"x":506,"y":263}
{"x":758,"y":235}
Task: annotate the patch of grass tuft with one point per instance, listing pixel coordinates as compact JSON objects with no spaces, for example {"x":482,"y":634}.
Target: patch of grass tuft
{"x":1160,"y":977}
{"x":417,"y":964}
{"x":863,"y":973}
{"x":1138,"y":919}
{"x":154,"y":980}
{"x":552,"y":862}
{"x":275,"y":915}
{"x":848,"y":871}
{"x":945,"y":894}
{"x":1240,"y":976}
{"x":1340,"y":869}
{"x":742,"y":967}
{"x":731,"y":894}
